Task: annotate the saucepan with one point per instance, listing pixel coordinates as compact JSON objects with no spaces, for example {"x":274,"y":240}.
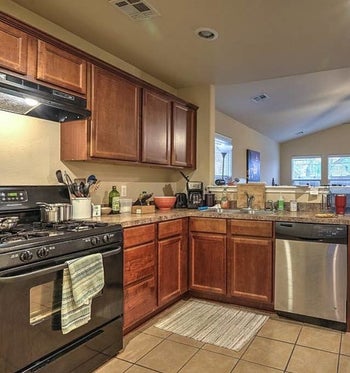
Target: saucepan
{"x":55,"y":212}
{"x":8,"y":222}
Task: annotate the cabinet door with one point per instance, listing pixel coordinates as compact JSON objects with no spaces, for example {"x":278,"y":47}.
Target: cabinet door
{"x":139,"y":301}
{"x":156,"y":111}
{"x":208,"y":262}
{"x":169,"y":269}
{"x":61,"y":68}
{"x":14,"y":49}
{"x":115,"y":122}
{"x":250,"y":268}
{"x":183,"y":144}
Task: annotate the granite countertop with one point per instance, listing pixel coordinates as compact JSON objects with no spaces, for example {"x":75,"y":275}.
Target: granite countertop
{"x":129,"y":220}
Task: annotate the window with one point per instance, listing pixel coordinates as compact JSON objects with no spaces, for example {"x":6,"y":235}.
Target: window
{"x":339,"y":170}
{"x":223,"y":157}
{"x":306,"y":171}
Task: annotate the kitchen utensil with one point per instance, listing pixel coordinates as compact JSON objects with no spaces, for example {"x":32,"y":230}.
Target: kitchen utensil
{"x":55,"y":212}
{"x":8,"y":222}
{"x":142,"y":200}
{"x":60,"y":177}
{"x":164,"y":202}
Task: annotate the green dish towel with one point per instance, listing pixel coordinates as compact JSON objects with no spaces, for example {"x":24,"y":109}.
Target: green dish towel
{"x":82,"y":280}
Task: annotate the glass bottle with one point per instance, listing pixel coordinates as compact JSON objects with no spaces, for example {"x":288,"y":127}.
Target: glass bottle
{"x":115,"y":202}
{"x":112,"y":193}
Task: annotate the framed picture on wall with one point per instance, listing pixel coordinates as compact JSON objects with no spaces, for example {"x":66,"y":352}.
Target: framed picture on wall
{"x":253,"y":165}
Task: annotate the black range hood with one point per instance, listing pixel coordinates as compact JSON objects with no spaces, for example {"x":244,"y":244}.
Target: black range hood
{"x":24,"y":97}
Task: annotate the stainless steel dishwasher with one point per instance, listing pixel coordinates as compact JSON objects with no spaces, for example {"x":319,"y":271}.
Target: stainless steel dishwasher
{"x":311,"y":273}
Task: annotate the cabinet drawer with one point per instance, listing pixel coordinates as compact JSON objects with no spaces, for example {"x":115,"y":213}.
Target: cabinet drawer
{"x":169,"y":228}
{"x":138,"y":235}
{"x":208,"y":225}
{"x":251,"y":228}
{"x":139,"y":301}
{"x":139,"y":262}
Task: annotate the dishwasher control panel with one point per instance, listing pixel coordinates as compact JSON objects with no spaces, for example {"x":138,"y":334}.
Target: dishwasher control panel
{"x":311,"y":231}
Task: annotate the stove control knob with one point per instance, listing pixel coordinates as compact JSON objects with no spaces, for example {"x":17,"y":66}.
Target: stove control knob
{"x":106,"y":238}
{"x":26,"y":256}
{"x":42,"y":252}
{"x":94,"y":241}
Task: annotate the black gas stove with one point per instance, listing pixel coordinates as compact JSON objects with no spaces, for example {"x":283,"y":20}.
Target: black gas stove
{"x":31,"y":240}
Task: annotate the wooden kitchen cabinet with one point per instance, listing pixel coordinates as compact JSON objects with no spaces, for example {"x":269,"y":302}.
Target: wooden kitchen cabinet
{"x":156,"y":126}
{"x":208,"y":255}
{"x":172,"y":260}
{"x":61,"y":68}
{"x":14,"y":49}
{"x":113,"y":133}
{"x":183,"y":139}
{"x":115,"y":122}
{"x":250,"y":261}
{"x":140,"y":276}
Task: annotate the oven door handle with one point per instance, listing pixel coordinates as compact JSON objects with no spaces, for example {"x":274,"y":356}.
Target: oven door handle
{"x":50,"y":269}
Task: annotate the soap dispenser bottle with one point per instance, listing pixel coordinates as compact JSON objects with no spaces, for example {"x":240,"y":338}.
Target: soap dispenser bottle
{"x":280,"y":203}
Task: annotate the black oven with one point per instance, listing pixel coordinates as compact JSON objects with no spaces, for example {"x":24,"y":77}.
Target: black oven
{"x":31,"y":274}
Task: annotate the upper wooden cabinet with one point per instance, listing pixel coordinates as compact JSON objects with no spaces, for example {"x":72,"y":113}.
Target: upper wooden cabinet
{"x":183,"y":139}
{"x":115,"y":122}
{"x":61,"y":68}
{"x":131,"y":121}
{"x":156,"y":116}
{"x":14,"y":49}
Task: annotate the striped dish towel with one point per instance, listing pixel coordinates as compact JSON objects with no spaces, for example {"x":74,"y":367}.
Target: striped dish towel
{"x":82,"y":280}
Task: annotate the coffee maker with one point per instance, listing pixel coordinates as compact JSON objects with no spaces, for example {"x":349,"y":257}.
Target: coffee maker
{"x":195,"y":194}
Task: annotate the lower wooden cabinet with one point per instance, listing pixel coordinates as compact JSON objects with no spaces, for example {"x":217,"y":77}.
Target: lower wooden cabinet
{"x":208,"y":255}
{"x":139,"y":300}
{"x":250,"y":261}
{"x":172,"y":260}
{"x":140,"y":275}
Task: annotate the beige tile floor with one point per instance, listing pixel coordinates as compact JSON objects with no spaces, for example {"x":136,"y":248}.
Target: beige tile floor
{"x":280,"y":346}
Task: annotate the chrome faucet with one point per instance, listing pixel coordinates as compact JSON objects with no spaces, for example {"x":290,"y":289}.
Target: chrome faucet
{"x":250,"y":198}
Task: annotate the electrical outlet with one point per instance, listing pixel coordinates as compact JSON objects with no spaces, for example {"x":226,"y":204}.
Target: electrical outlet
{"x":123,"y":191}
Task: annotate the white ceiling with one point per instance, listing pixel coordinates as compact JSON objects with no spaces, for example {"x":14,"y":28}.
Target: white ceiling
{"x":297,"y":51}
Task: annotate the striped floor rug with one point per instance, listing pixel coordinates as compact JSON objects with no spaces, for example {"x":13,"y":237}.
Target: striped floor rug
{"x":220,"y":325}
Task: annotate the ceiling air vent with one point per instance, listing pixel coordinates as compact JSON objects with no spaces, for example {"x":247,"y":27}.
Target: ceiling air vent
{"x":259,"y":98}
{"x":135,"y":9}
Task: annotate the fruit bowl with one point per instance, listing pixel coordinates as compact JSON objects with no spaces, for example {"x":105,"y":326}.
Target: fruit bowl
{"x":165,"y":202}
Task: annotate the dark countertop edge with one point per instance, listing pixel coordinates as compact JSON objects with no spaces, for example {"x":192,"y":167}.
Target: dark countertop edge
{"x":130,"y":220}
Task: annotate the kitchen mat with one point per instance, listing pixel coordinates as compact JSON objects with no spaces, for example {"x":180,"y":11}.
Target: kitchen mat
{"x":218,"y":324}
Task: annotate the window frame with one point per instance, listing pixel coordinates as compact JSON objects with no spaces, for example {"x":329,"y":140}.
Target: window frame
{"x":312,"y":181}
{"x":218,"y":159}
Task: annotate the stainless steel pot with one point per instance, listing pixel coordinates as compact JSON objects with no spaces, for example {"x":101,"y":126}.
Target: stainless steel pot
{"x":55,"y":212}
{"x":8,"y":222}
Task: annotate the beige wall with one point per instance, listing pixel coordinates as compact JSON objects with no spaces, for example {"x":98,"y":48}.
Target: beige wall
{"x":244,"y":138}
{"x":334,"y":141}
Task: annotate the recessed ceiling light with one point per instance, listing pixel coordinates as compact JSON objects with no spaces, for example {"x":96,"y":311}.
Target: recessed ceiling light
{"x":300,"y":133}
{"x":207,"y":33}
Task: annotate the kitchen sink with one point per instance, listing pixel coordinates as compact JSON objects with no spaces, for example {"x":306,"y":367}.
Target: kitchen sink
{"x":242,"y":211}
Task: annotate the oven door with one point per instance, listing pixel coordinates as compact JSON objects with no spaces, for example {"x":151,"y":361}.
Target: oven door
{"x":30,"y":303}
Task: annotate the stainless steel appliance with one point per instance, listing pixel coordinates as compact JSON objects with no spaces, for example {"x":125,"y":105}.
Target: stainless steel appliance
{"x":311,"y":273}
{"x":17,"y":95}
{"x":32,"y":258}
